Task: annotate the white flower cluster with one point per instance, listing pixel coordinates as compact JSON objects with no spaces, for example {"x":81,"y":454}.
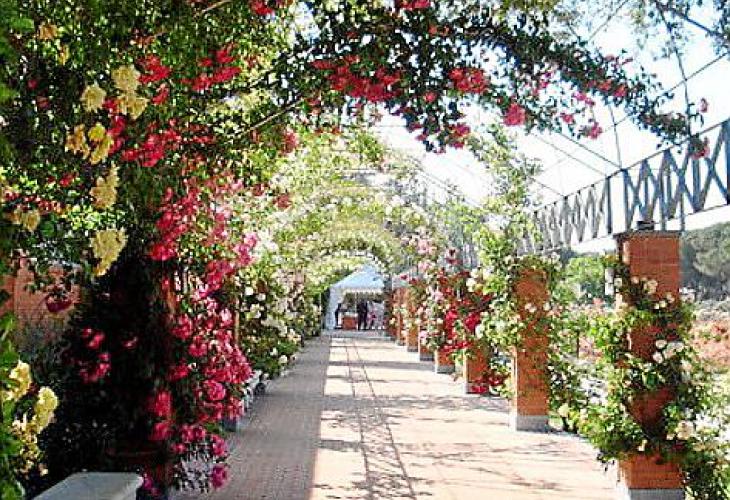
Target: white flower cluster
{"x":666,"y":350}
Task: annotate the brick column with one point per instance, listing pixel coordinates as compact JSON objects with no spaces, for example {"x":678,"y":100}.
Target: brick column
{"x":654,"y":255}
{"x":529,"y":411}
{"x":7,"y":284}
{"x":411,"y":332}
{"x":476,"y":365}
{"x":424,"y":353}
{"x":443,"y":362}
{"x":399,"y":302}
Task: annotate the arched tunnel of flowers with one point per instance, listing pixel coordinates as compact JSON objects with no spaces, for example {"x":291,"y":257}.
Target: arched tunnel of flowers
{"x":183,"y":181}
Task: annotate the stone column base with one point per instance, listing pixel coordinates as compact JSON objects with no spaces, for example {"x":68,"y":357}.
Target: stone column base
{"x":412,"y":348}
{"x":425,"y":355}
{"x":625,"y":493}
{"x":443,"y":363}
{"x":400,"y":341}
{"x":530,"y":423}
{"x":443,"y":368}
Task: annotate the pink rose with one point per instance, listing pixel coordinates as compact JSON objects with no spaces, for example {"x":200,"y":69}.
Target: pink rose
{"x":214,"y":390}
{"x":160,"y":404}
{"x":218,"y":445}
{"x":218,"y":475}
{"x":161,"y":431}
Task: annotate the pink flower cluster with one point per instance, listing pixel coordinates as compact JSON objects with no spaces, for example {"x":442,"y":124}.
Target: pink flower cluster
{"x":96,"y":362}
{"x":175,"y":220}
{"x":266,"y":8}
{"x":220,"y":70}
{"x":515,"y":115}
{"x":380,"y":87}
{"x":412,"y":4}
{"x":469,"y":80}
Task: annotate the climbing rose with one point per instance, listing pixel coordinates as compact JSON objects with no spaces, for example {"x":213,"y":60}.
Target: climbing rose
{"x":160,"y":404}
{"x":214,"y":390}
{"x":515,"y":115}
{"x":218,"y":475}
{"x":160,"y":431}
{"x":218,"y":445}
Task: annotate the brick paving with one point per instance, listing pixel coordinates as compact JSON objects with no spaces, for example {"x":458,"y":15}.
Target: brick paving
{"x":360,"y":418}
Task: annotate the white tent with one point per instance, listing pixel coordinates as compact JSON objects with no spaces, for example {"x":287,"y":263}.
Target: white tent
{"x":366,"y":281}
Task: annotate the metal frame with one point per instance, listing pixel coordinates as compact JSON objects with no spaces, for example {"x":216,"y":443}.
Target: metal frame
{"x":661,"y":188}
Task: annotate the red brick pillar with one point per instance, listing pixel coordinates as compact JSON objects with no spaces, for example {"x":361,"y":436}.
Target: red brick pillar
{"x":476,"y":365}
{"x":443,"y":362}
{"x":424,"y":353}
{"x":654,"y":255}
{"x":413,"y":328}
{"x":400,"y":331}
{"x":529,"y":410}
{"x":7,"y":284}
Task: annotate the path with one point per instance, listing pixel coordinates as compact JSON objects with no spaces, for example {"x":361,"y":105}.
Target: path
{"x":360,"y":418}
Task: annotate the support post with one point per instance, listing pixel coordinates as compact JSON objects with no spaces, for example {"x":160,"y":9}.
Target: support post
{"x":443,"y":362}
{"x":655,"y":255}
{"x":411,"y":333}
{"x":529,"y":411}
{"x":424,"y":353}
{"x":476,"y":365}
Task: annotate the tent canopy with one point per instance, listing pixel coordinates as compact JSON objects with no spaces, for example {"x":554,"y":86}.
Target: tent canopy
{"x":366,"y":281}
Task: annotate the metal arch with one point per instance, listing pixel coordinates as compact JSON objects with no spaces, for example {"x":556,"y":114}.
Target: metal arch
{"x":664,"y":187}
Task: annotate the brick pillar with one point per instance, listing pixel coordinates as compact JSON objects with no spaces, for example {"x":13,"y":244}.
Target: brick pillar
{"x":476,"y":365}
{"x":529,"y":410}
{"x":409,"y":331}
{"x":7,"y":284}
{"x":412,"y":336}
{"x":443,"y":362}
{"x":424,"y":353}
{"x":654,"y":255}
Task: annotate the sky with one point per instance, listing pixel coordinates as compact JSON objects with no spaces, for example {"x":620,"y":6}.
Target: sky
{"x":570,"y":165}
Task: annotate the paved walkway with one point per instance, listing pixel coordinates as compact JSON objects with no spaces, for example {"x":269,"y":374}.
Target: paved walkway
{"x":360,"y":418}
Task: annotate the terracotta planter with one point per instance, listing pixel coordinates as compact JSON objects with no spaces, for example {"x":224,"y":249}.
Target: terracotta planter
{"x":649,"y":472}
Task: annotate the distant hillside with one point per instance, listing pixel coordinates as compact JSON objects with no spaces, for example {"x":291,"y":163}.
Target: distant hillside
{"x":705,"y":255}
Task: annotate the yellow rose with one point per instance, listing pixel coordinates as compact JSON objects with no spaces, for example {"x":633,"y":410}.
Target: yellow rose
{"x":64,"y":55}
{"x":101,"y":152}
{"x":106,"y":246}
{"x":93,"y":98}
{"x":44,"y":407}
{"x":47,"y":31}
{"x":126,"y":78}
{"x":97,"y":132}
{"x":30,"y":220}
{"x":132,"y":105}
{"x":22,"y":379}
{"x":105,"y":191}
{"x":76,"y":141}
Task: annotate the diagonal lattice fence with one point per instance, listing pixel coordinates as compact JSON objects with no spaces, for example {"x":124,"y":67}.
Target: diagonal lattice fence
{"x":667,"y":186}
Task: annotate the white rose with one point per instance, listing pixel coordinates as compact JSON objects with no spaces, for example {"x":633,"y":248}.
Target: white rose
{"x":657,"y":357}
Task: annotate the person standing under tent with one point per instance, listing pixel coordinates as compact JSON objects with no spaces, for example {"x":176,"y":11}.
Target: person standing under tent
{"x":371,"y":315}
{"x":362,"y":315}
{"x":338,"y":311}
{"x":379,"y":315}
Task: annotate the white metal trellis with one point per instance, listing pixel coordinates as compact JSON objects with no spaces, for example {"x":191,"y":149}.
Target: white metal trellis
{"x":664,"y":187}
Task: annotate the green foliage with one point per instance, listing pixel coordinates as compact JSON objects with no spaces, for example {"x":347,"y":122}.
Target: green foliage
{"x":10,"y":446}
{"x":583,"y":280}
{"x":689,"y":430}
{"x":705,"y":259}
